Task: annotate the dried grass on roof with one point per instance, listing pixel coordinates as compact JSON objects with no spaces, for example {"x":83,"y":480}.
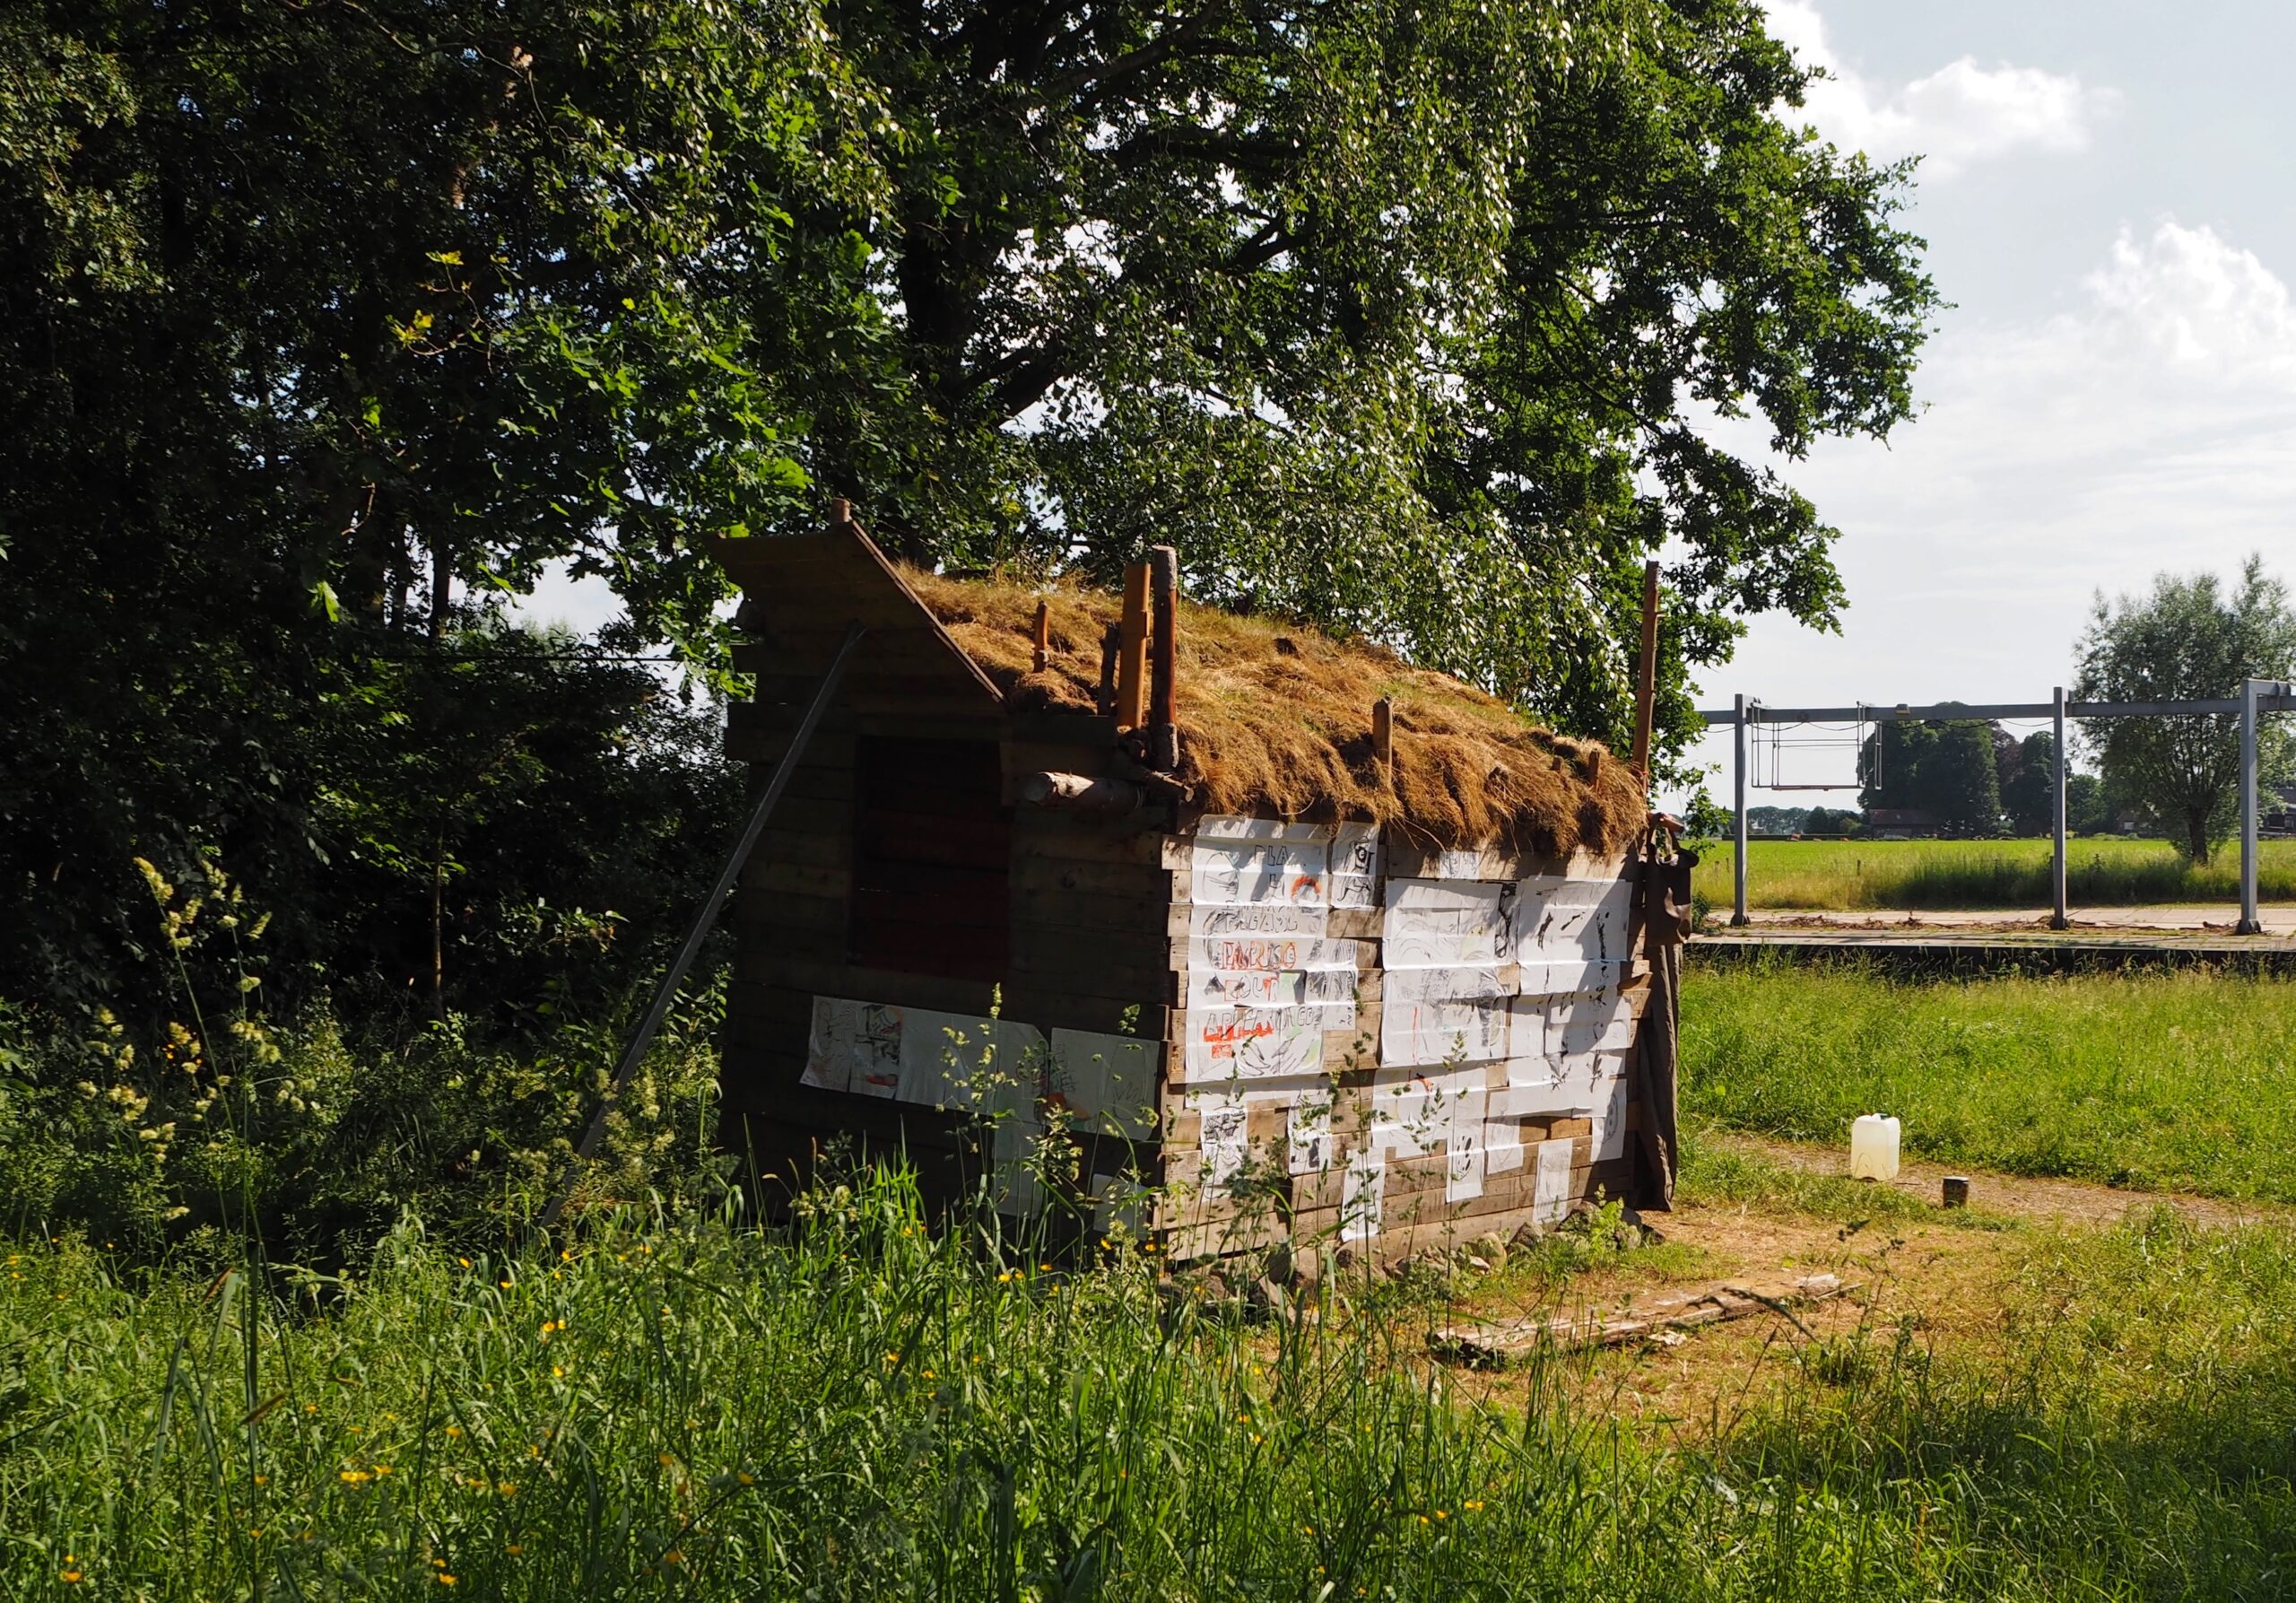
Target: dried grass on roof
{"x":1276,"y":718}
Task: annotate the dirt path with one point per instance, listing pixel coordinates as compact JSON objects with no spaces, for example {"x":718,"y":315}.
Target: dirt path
{"x":1943,"y":1279}
{"x":2024,"y":1198}
{"x":2198,"y":919}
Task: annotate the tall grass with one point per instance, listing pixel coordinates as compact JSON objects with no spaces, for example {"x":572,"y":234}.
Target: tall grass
{"x":2183,"y":1081}
{"x":1907,"y":874}
{"x":864,"y":1408}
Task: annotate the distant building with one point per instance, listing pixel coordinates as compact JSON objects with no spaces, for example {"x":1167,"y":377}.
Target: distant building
{"x":1907,"y":822}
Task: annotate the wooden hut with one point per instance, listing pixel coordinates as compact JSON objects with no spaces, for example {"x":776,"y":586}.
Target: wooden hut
{"x":1311,"y":941}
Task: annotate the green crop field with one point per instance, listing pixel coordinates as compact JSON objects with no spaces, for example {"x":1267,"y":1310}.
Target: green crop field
{"x":2099,"y":872}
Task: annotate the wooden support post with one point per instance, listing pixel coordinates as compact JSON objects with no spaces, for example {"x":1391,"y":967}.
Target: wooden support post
{"x":840,"y":512}
{"x":1044,"y":636}
{"x":1164,"y":622}
{"x":1111,"y":643}
{"x":1132,"y":651}
{"x":1645,"y":681}
{"x":1383,"y":738}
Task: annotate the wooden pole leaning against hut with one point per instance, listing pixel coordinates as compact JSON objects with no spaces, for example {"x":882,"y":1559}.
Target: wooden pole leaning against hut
{"x":1645,"y":679}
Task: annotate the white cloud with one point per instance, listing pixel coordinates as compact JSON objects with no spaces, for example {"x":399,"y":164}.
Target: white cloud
{"x":1961,"y":114}
{"x":2148,"y":426}
{"x":2204,"y":306}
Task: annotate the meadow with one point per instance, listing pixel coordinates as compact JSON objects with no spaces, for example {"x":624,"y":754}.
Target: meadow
{"x":2170,"y":1081}
{"x":2102,"y":871}
{"x":671,"y":1400}
{"x":862,"y":1408}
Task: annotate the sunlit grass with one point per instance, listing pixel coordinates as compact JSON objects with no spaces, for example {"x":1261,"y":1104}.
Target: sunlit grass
{"x":2101,"y":872}
{"x":2183,"y":1081}
{"x":869,"y":1409}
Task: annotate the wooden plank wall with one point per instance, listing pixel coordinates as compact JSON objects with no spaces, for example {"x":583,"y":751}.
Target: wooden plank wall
{"x":1096,"y":919}
{"x":1268,"y":1204}
{"x":1075,"y":939}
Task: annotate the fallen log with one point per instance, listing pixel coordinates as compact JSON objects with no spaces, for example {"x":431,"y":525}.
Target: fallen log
{"x":1660,"y":1319}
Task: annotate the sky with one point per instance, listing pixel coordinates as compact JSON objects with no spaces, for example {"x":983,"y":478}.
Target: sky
{"x":2112,"y":394}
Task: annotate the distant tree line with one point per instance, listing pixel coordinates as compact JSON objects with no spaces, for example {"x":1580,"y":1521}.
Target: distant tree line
{"x":2190,"y":637}
{"x":1974,"y":778}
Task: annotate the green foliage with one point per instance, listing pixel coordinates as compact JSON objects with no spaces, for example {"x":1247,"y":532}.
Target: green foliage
{"x":316,"y":318}
{"x":2028,"y":772}
{"x":1398,"y":319}
{"x":227,"y":1122}
{"x":2187,"y":641}
{"x":536,"y":820}
{"x":1833,"y":821}
{"x":310,"y":314}
{"x":858,"y":1408}
{"x":2087,"y":811}
{"x":2168,"y":1082}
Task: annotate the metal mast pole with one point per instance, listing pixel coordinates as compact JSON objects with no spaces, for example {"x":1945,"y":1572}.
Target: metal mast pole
{"x":2059,"y":919}
{"x":2250,"y":924}
{"x":1738,"y":857}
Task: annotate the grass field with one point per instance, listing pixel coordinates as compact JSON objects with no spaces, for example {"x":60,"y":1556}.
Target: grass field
{"x":872,"y":1411}
{"x":2181,"y":1081}
{"x":865,"y":1408}
{"x":2102,"y":872}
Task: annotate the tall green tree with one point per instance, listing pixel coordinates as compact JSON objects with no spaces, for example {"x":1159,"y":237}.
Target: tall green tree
{"x":1406,"y":318}
{"x":2029,"y":783}
{"x":1944,"y":767}
{"x":313,"y":317}
{"x":2187,"y":639}
{"x":315,"y":320}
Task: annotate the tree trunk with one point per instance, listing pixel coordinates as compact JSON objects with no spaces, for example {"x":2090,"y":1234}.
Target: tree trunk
{"x":442,"y":588}
{"x":439,"y":928}
{"x":2197,"y":835}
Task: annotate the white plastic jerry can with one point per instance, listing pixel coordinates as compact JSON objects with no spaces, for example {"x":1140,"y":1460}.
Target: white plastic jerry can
{"x":1873,"y":1147}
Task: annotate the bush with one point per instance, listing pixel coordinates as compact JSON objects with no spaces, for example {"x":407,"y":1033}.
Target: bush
{"x":223,"y":1119}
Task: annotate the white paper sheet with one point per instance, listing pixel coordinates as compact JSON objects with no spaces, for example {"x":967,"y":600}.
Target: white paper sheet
{"x":1221,"y":827}
{"x":1309,"y":1136}
{"x":854,"y":1047}
{"x":1107,"y":1082}
{"x":1252,"y":1043}
{"x":1222,"y":921}
{"x":1438,"y":1014}
{"x":1609,"y":1135}
{"x":1257,"y":873}
{"x":1362,"y":1198}
{"x":1430,"y":923}
{"x":1559,"y":919}
{"x":1551,"y":1196}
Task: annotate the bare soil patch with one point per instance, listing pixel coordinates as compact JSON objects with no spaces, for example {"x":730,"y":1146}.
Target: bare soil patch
{"x":1938,"y":1281}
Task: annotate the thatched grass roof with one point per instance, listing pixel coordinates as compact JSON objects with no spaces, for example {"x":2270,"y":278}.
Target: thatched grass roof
{"x":1276,"y":718}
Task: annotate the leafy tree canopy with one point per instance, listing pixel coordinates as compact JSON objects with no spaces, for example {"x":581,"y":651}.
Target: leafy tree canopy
{"x":1945,"y":768}
{"x":1400,"y":317}
{"x":316,"y":318}
{"x":2187,"y":639}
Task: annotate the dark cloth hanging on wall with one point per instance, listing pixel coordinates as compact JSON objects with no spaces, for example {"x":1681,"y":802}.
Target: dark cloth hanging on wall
{"x":1666,"y":926}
